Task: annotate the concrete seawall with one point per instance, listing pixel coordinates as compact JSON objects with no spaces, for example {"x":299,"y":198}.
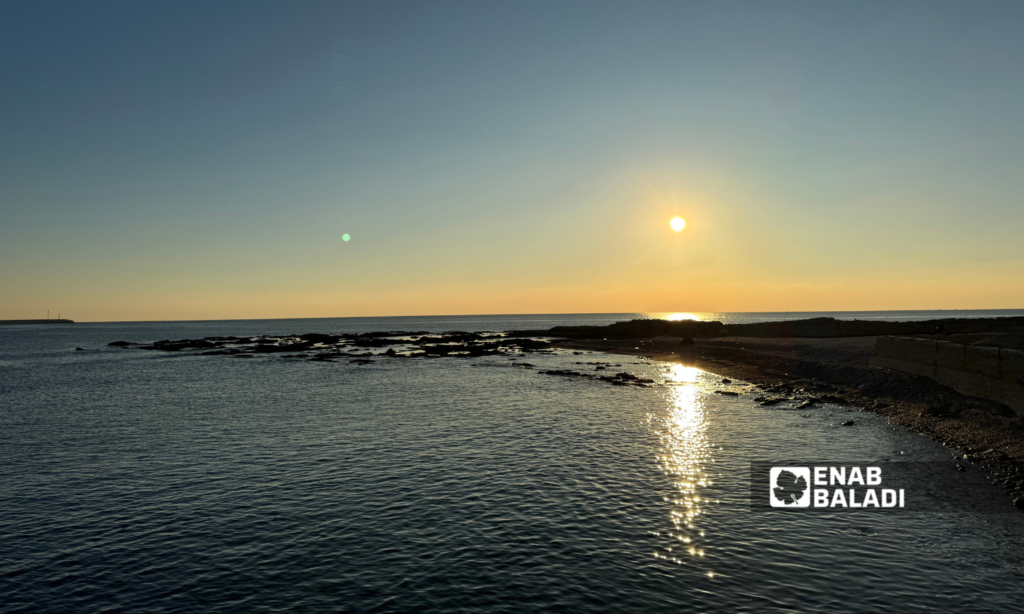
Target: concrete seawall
{"x":987,"y":372}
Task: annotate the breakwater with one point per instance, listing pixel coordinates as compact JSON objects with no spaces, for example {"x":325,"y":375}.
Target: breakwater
{"x":807,"y":328}
{"x":988,"y":372}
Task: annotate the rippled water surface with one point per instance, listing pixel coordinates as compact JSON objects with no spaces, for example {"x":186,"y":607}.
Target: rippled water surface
{"x":155,"y":482}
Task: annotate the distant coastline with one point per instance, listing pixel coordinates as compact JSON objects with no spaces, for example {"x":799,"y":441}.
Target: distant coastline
{"x":50,"y":321}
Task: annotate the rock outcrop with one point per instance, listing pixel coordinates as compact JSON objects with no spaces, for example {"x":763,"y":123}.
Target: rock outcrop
{"x":812,"y":327}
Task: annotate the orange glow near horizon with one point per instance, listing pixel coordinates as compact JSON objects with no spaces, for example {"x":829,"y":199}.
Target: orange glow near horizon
{"x":617,"y":259}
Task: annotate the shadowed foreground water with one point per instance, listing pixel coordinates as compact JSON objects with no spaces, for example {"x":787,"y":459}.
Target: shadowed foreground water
{"x":146,"y":481}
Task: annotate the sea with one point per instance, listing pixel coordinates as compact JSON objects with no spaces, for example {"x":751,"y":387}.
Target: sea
{"x":143,"y":481}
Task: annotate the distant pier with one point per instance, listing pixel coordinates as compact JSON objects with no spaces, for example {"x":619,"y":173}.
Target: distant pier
{"x":51,"y":321}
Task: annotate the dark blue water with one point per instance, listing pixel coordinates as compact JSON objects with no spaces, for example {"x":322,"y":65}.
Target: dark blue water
{"x":166,"y":482}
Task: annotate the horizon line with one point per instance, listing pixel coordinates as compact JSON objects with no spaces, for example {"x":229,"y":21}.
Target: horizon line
{"x":479,"y":315}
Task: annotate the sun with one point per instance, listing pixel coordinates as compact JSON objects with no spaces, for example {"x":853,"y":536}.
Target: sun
{"x":677,"y":224}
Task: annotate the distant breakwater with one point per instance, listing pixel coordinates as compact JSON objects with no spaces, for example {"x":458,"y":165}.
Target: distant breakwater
{"x":52,"y":321}
{"x":812,"y":327}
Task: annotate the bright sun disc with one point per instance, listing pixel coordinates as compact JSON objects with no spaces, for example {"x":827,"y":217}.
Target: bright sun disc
{"x":677,"y":224}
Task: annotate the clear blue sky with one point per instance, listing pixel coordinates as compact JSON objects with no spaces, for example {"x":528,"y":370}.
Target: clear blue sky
{"x":186,"y":160}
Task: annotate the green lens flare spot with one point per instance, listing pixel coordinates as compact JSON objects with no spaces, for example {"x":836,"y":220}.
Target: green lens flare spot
{"x":345,"y":238}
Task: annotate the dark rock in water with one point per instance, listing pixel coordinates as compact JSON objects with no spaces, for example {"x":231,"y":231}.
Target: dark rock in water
{"x":626,"y":379}
{"x":807,"y":403}
{"x":454,"y":337}
{"x":960,"y":467}
{"x":563,"y":373}
{"x":167,"y":345}
{"x":726,"y":381}
{"x":361,"y":361}
{"x":727,"y":393}
{"x":1019,"y":503}
{"x":376,"y":342}
{"x":79,"y":349}
{"x":320,"y":338}
{"x":847,"y":423}
{"x":831,"y":398}
{"x":243,"y":355}
{"x":285,"y":347}
{"x":767,"y":402}
{"x":455,"y":344}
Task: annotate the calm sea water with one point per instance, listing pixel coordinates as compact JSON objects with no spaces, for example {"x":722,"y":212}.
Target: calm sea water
{"x":141,"y":481}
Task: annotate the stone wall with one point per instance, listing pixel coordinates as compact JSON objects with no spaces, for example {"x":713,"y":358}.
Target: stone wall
{"x":977,"y":371}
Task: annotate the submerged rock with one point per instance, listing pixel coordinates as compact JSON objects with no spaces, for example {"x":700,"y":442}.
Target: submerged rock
{"x":563,"y":373}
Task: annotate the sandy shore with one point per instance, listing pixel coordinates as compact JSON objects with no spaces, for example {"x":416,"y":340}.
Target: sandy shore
{"x":981,"y":433}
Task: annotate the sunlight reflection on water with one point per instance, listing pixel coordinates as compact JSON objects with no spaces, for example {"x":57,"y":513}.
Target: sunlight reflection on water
{"x":685,"y":450}
{"x":674,"y":316}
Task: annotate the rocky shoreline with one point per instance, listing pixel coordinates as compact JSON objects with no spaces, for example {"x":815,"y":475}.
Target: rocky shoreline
{"x":790,"y":373}
{"x":983,"y":435}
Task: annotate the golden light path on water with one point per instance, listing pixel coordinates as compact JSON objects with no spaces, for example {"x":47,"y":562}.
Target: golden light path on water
{"x":685,"y":452}
{"x":678,"y":317}
{"x":673,"y":316}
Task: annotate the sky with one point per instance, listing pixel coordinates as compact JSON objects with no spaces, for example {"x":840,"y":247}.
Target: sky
{"x":202,"y":160}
